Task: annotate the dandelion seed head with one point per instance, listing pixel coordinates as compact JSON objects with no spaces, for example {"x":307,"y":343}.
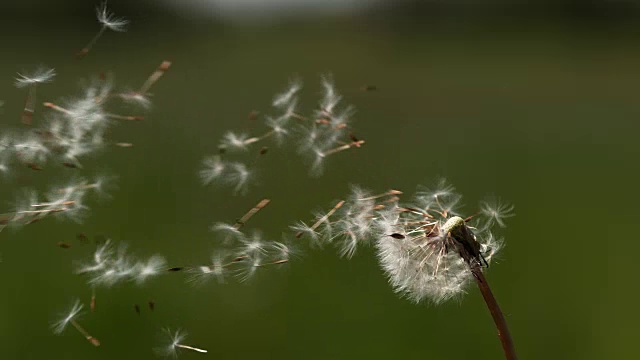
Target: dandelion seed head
{"x":154,"y":266}
{"x":230,"y":232}
{"x":74,"y":312}
{"x":330,"y":98}
{"x":285,"y":98}
{"x":216,"y":270}
{"x":278,"y":126}
{"x":171,"y":340}
{"x":496,"y":211}
{"x":317,"y":163}
{"x":303,"y":229}
{"x":239,"y":177}
{"x":235,"y":141}
{"x":253,"y":245}
{"x":212,"y":169}
{"x":426,"y":262}
{"x":109,"y":20}
{"x":39,"y":76}
{"x":249,"y":267}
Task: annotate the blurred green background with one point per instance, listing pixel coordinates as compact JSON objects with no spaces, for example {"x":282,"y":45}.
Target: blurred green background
{"x":537,"y":105}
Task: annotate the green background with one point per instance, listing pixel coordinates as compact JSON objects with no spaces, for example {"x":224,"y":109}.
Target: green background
{"x":540,"y":111}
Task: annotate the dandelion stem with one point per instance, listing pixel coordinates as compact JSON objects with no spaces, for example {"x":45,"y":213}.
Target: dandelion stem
{"x":298,"y":116}
{"x":388,"y":193}
{"x":191,"y":348}
{"x":164,"y":66}
{"x":85,"y":50}
{"x":85,"y":333}
{"x":255,"y":139}
{"x":496,"y":313}
{"x":259,"y":206}
{"x":29,"y":105}
{"x":343,"y":147}
{"x":322,"y":219}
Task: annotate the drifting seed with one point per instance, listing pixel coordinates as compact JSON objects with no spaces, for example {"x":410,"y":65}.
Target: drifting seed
{"x":34,"y":166}
{"x":136,"y":307}
{"x":152,"y":305}
{"x":397,"y":236}
{"x":164,"y":66}
{"x":63,"y":244}
{"x":369,"y":88}
{"x":70,"y":165}
{"x":322,"y":219}
{"x":82,"y":237}
{"x":344,"y":147}
{"x":253,"y":115}
{"x":174,"y":269}
{"x":259,"y":206}
{"x":264,"y":150}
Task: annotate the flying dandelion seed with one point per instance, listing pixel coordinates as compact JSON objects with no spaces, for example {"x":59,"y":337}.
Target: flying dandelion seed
{"x":108,"y":20}
{"x":71,"y":317}
{"x":31,"y":81}
{"x":173,"y":344}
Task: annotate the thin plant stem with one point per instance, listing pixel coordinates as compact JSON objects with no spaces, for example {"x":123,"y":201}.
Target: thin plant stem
{"x":192,"y":348}
{"x":496,"y":313}
{"x":85,"y":50}
{"x":259,"y":206}
{"x":91,"y":339}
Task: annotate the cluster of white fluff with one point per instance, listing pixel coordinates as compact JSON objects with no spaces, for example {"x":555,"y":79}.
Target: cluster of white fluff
{"x":325,"y":132}
{"x":110,"y":265}
{"x":241,"y":253}
{"x":413,"y":241}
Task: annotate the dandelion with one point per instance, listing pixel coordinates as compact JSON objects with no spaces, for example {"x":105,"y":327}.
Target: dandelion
{"x":236,"y":142}
{"x":213,"y":168}
{"x":71,"y":317}
{"x":108,"y":20}
{"x":239,"y":176}
{"x":155,"y":265}
{"x":174,"y":343}
{"x":331,"y":97}
{"x":496,"y":211}
{"x":428,"y":252}
{"x":218,"y":269}
{"x":40,"y":76}
{"x":288,"y":96}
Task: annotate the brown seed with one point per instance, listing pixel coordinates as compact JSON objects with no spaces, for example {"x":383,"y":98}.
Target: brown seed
{"x":136,"y":307}
{"x":82,"y":237}
{"x":264,"y":150}
{"x":33,"y":166}
{"x":397,"y":236}
{"x":152,"y":305}
{"x":63,"y":244}
{"x":174,"y":269}
{"x":253,"y":115}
